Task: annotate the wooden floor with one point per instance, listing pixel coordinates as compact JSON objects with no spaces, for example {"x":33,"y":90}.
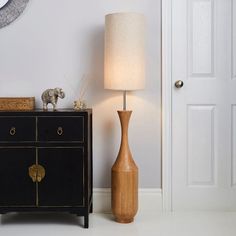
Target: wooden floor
{"x":148,"y":224}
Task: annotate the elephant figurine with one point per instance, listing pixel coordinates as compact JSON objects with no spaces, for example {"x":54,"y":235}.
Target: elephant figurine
{"x":51,"y":96}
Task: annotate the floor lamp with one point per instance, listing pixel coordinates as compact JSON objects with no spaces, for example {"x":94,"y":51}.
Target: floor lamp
{"x":124,"y":71}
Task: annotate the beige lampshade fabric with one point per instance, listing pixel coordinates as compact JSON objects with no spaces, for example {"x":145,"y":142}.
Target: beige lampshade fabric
{"x":124,"y":51}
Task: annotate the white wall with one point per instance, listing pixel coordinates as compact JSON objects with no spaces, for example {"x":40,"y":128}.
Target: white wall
{"x":55,"y":43}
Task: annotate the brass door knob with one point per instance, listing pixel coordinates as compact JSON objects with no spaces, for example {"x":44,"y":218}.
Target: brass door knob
{"x":179,"y":84}
{"x":36,"y":173}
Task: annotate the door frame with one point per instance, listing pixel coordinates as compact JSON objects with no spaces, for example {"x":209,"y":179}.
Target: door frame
{"x":166,"y":94}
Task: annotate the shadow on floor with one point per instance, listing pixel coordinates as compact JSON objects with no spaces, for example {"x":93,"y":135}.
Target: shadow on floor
{"x":108,"y":216}
{"x":42,"y":218}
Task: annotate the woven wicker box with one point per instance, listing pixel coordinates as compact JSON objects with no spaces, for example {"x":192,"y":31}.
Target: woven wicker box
{"x":17,"y":103}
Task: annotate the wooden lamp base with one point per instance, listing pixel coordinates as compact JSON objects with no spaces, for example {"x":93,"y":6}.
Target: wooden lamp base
{"x":124,"y":178}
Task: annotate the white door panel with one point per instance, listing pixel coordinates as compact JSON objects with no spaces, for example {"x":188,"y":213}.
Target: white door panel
{"x":204,"y":109}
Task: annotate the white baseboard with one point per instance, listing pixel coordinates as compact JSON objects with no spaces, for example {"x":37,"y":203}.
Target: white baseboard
{"x":149,"y":199}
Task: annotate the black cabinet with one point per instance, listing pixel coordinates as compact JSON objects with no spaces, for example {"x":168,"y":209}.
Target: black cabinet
{"x":46,"y":162}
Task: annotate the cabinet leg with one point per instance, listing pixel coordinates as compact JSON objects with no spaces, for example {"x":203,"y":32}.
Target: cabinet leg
{"x":86,"y":221}
{"x":91,"y":208}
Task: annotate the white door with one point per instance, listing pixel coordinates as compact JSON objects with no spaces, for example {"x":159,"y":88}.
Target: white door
{"x":204,"y":108}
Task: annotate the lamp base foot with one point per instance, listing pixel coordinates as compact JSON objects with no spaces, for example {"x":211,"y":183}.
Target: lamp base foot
{"x":124,"y":221}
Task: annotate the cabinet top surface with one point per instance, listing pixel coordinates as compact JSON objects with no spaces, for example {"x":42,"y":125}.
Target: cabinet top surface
{"x":41,"y":112}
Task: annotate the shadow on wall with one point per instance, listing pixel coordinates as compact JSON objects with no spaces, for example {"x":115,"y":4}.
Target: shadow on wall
{"x":96,"y":97}
{"x":95,"y":93}
{"x":108,"y":150}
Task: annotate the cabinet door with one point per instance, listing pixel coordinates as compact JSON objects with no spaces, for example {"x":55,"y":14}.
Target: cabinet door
{"x":16,"y":187}
{"x":64,"y":176}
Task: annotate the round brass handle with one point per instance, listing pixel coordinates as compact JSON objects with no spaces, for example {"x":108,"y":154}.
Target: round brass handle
{"x":40,"y":173}
{"x":179,"y":84}
{"x":59,"y":131}
{"x":36,"y":173}
{"x":33,"y":172}
{"x":12,"y":131}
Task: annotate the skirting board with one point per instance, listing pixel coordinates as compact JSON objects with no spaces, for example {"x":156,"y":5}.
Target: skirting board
{"x":149,"y":199}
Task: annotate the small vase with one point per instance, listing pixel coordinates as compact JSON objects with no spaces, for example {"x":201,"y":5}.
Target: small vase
{"x":124,"y":178}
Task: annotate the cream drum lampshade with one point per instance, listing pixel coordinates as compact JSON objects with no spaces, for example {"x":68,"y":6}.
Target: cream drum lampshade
{"x":124,"y":51}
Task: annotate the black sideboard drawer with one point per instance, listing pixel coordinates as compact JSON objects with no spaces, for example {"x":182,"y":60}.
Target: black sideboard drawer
{"x":20,"y":129}
{"x":62,"y":129}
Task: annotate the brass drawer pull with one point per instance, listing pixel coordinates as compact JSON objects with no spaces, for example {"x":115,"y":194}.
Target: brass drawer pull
{"x":12,"y":131}
{"x":36,"y":173}
{"x":59,"y":131}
